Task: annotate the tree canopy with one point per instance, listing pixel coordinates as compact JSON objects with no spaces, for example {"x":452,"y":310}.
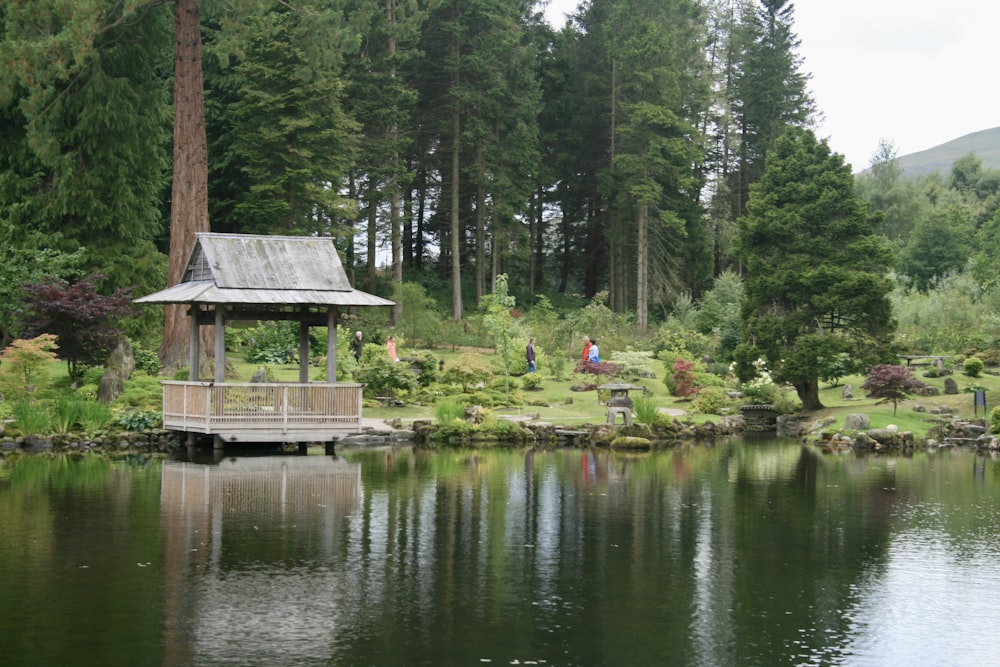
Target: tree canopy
{"x":816,"y":272}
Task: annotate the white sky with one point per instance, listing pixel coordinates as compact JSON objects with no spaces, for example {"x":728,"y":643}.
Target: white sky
{"x":914,"y":72}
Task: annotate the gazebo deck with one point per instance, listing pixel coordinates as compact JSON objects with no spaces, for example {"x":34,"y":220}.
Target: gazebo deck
{"x":263,"y":412}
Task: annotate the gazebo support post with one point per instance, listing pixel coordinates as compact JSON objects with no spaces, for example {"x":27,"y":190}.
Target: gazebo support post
{"x":193,"y":351}
{"x":220,"y":345}
{"x":331,"y":345}
{"x":303,"y":351}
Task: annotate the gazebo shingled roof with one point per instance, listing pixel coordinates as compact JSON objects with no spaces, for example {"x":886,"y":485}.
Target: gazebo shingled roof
{"x":258,"y":271}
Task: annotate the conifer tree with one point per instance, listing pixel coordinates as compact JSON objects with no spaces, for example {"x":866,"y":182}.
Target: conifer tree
{"x":816,"y":272}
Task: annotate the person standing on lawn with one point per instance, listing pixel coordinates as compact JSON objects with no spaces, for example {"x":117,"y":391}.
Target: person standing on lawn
{"x":357,"y":346}
{"x":529,"y":352}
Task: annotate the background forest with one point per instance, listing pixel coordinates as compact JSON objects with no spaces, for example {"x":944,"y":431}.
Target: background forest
{"x":442,"y":144}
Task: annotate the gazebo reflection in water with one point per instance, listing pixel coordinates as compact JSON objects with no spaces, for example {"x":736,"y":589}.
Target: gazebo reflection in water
{"x":235,"y":537}
{"x":262,"y":486}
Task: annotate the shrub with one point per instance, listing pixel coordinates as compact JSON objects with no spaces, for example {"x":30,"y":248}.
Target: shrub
{"x":972,"y":366}
{"x":278,"y":342}
{"x":786,"y":403}
{"x":24,"y":360}
{"x":467,"y":371}
{"x":684,"y":380}
{"x":710,"y":400}
{"x":531,"y":382}
{"x":990,"y":356}
{"x":146,"y":360}
{"x":603,"y":369}
{"x":425,"y":364}
{"x":141,"y":391}
{"x":92,"y":375}
{"x":385,"y":377}
{"x":995,"y":420}
{"x":634,"y":364}
{"x":557,"y":366}
{"x":137,"y":420}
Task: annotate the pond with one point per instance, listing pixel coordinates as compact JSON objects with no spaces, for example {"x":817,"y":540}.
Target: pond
{"x":746,"y":552}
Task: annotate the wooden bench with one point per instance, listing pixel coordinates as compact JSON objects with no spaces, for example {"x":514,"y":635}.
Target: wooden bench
{"x":932,"y":359}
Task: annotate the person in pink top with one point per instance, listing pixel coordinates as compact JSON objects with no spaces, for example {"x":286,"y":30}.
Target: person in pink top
{"x":390,"y":345}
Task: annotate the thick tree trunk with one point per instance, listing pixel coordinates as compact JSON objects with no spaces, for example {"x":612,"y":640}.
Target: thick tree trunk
{"x":808,"y":391}
{"x":456,"y":230}
{"x":189,"y":195}
{"x":642,"y":269}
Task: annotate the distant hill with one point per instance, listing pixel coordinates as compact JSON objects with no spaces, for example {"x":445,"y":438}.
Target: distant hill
{"x":985,"y":144}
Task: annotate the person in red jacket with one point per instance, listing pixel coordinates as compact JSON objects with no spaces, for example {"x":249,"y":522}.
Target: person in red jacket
{"x":586,"y":349}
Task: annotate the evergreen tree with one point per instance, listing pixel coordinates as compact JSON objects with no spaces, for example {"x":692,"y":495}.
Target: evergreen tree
{"x":292,"y":138}
{"x":816,"y":281}
{"x":85,"y":127}
{"x":769,"y":89}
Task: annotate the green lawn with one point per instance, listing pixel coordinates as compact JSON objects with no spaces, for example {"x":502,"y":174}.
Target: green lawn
{"x":556,"y":402}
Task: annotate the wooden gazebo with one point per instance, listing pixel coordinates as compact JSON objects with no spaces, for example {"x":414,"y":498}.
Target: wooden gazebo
{"x":239,"y":277}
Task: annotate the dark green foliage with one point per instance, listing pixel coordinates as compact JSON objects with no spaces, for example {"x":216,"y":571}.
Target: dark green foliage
{"x":385,"y":378}
{"x":144,"y":392}
{"x":285,"y":134}
{"x":770,"y":90}
{"x":146,"y":361}
{"x":835,"y":367}
{"x":939,"y":244}
{"x":138,"y":420}
{"x":277,"y":342}
{"x":85,"y":120}
{"x":816,"y":283}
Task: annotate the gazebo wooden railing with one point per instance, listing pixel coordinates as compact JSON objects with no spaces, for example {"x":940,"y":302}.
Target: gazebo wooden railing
{"x":263,"y":412}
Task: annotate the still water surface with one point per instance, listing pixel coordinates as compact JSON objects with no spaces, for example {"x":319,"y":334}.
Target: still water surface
{"x":743,"y":553}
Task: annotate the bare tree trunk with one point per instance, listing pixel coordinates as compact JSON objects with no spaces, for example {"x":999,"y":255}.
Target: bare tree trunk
{"x":189,"y":194}
{"x":480,"y":228}
{"x":395,"y":195}
{"x":456,"y":229}
{"x":372,"y":234}
{"x":642,"y":269}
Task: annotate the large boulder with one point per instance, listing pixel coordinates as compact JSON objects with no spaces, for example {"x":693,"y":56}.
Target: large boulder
{"x":120,"y":366}
{"x":857,"y":422}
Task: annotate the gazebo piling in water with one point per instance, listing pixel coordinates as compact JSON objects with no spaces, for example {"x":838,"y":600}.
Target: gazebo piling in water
{"x":240,"y":277}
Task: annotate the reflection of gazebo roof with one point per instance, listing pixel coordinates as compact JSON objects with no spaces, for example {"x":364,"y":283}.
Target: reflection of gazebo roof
{"x":247,"y":270}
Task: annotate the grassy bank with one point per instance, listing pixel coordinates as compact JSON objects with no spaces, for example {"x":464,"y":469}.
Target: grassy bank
{"x":557,"y":402}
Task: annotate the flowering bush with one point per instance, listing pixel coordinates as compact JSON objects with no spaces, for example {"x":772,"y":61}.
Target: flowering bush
{"x":760,"y":389}
{"x":684,"y":380}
